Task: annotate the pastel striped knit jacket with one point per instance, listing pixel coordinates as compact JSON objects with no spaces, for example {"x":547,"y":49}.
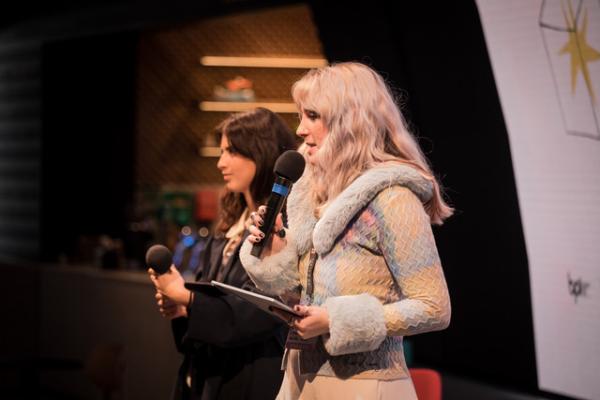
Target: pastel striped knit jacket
{"x":378,"y":273}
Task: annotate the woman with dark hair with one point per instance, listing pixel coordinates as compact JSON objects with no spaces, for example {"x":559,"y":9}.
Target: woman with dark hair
{"x":232,"y":349}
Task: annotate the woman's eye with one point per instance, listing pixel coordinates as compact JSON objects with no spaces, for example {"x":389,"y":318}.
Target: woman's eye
{"x":312,"y":115}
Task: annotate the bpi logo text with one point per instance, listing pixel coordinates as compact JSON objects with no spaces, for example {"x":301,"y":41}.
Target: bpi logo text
{"x":577,"y":287}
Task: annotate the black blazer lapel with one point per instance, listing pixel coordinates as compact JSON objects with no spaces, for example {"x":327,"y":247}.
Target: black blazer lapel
{"x":211,"y":260}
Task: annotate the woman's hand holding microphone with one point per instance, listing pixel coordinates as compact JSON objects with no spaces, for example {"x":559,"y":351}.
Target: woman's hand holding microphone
{"x":172,"y":297}
{"x":168,"y":308}
{"x":315,"y":320}
{"x":277,"y":240}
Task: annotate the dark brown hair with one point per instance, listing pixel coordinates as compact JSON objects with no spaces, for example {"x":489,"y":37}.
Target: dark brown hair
{"x":261,"y":136}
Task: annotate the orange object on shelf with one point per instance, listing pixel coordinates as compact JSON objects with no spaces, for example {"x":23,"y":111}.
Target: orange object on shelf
{"x":238,"y":83}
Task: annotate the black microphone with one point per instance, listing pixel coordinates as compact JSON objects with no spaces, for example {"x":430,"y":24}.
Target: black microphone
{"x":288,"y":169}
{"x":159,"y":258}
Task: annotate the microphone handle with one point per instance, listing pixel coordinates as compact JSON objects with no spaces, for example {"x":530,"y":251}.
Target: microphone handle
{"x":280,"y":191}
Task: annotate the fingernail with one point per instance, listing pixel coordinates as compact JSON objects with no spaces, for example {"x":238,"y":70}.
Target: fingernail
{"x":259,"y":222}
{"x":262,"y":235}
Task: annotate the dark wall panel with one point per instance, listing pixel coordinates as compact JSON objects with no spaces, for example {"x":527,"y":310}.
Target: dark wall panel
{"x":88,"y":118}
{"x":20,"y":139}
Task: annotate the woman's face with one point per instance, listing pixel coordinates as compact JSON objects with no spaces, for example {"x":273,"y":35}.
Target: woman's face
{"x":313,"y":131}
{"x":238,"y":171}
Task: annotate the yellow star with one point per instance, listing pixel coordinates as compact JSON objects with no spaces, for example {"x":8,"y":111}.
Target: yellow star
{"x":579,"y":49}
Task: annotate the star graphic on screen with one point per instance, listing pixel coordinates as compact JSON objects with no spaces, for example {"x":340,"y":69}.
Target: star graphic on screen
{"x":579,"y":49}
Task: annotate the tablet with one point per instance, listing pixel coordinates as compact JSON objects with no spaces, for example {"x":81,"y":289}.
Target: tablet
{"x":265,"y":303}
{"x":203,"y":287}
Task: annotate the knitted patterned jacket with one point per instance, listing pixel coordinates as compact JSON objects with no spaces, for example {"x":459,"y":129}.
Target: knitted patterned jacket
{"x":378,"y":273}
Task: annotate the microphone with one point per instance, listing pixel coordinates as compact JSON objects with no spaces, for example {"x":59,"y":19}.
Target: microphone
{"x":159,"y":258}
{"x":288,"y":169}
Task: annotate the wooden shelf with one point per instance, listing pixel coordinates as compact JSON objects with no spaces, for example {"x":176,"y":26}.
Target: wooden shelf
{"x":234,"y":106}
{"x":264,"y":62}
{"x":282,"y":107}
{"x":209,"y":151}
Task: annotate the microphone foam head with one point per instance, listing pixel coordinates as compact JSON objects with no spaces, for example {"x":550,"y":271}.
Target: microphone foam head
{"x":159,"y":258}
{"x":290,"y":165}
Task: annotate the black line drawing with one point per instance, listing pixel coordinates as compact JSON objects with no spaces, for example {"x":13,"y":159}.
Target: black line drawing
{"x":564,"y":26}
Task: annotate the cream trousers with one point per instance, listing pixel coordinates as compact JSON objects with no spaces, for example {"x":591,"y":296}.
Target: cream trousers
{"x":314,"y":387}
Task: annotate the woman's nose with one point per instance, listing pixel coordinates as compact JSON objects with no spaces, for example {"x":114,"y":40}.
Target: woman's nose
{"x":301,"y":131}
{"x":221,"y":162}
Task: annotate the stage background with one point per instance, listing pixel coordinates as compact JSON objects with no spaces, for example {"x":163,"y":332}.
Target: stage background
{"x":546,"y":61}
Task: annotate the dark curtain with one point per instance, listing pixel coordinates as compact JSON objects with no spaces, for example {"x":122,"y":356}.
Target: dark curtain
{"x":435,"y":54}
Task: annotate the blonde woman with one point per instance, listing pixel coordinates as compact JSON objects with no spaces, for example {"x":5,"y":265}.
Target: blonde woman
{"x":359,"y":255}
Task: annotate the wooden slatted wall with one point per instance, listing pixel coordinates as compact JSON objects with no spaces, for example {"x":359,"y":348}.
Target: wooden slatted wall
{"x":20,"y":143}
{"x":171,"y":82}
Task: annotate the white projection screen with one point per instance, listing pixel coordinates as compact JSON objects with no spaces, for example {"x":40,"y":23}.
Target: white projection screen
{"x":546,"y":61}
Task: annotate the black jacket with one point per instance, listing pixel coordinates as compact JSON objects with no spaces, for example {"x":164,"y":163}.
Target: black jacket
{"x":232,"y":349}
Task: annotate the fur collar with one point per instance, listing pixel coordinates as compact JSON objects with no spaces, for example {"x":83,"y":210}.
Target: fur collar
{"x":323,"y":233}
{"x":301,"y":217}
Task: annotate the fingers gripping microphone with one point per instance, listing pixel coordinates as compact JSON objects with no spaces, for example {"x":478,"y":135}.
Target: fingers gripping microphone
{"x":159,"y":258}
{"x":288,"y":169}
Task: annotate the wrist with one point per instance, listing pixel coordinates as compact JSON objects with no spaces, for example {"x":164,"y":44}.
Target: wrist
{"x":190,"y":299}
{"x":181,"y":297}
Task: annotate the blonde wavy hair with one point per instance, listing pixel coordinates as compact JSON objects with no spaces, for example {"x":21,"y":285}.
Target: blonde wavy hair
{"x":365,"y":130}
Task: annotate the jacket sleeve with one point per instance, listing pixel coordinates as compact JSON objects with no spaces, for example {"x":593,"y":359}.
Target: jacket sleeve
{"x":360,"y":323}
{"x":408,"y":246}
{"x":228,"y":321}
{"x":276,"y":275}
{"x":179,"y":327}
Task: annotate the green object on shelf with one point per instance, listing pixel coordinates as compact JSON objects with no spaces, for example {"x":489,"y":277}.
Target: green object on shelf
{"x":177,"y":207}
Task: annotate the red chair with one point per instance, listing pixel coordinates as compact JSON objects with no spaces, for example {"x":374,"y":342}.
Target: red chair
{"x":428,"y":383}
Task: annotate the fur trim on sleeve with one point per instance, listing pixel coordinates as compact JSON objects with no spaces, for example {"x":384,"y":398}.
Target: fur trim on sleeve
{"x":276,"y":274}
{"x":356,"y":324}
